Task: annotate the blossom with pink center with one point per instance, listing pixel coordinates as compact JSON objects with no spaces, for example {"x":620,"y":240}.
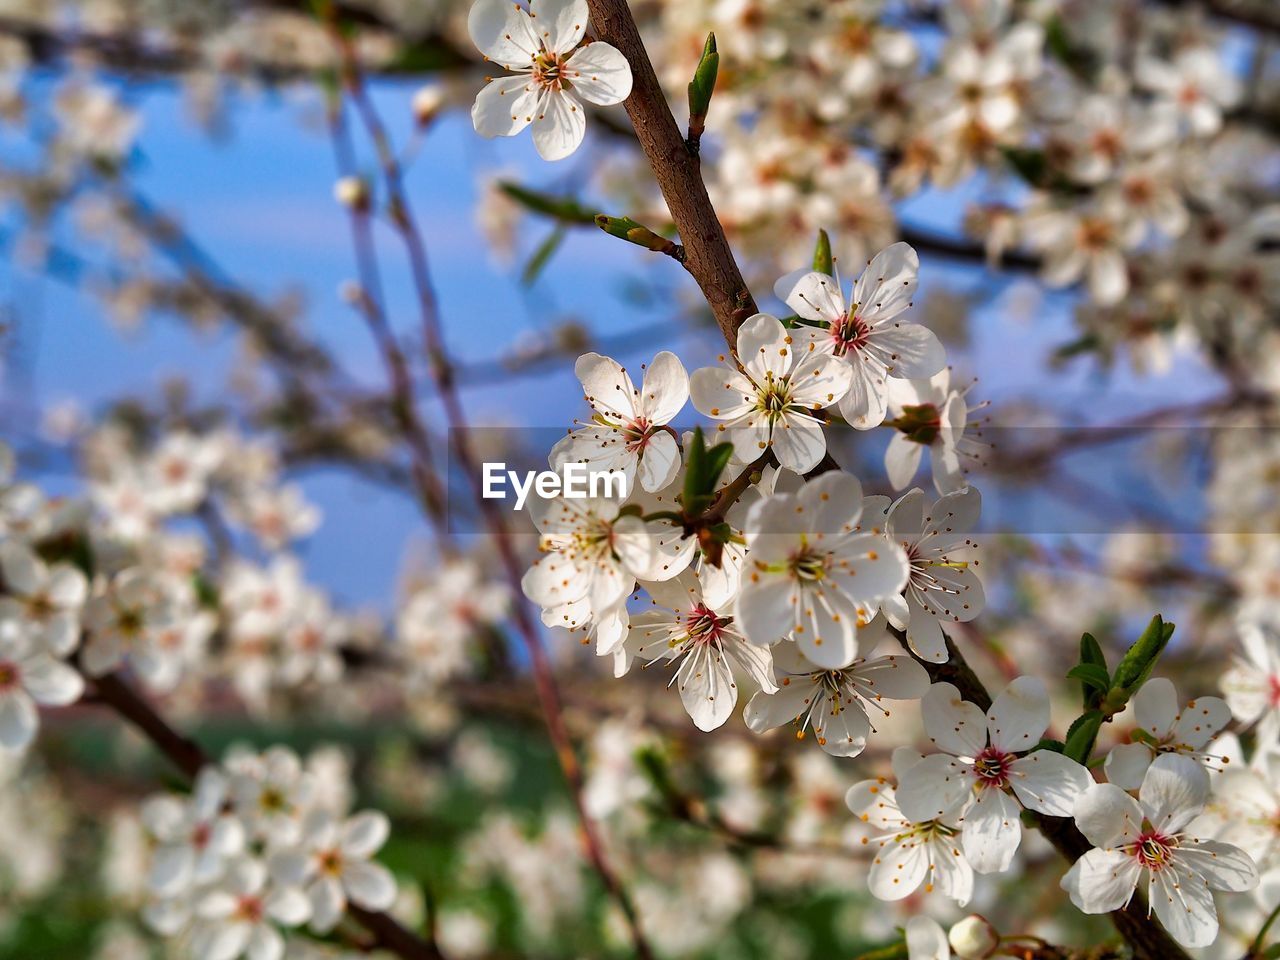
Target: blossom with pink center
{"x":868,"y":334}
{"x":628,"y":430}
{"x":1149,"y":835}
{"x":986,"y":774}
{"x":1163,"y":727}
{"x":553,"y":72}
{"x":1252,"y":684}
{"x":836,"y":704}
{"x":704,"y":643}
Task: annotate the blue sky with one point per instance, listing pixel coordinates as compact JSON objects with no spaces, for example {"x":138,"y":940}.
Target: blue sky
{"x":259,"y":201}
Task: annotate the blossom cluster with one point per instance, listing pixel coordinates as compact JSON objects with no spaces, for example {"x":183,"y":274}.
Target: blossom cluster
{"x":257,"y":848}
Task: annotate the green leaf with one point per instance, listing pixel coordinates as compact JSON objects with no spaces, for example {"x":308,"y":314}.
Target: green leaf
{"x":542,"y":256}
{"x":1091,"y":651}
{"x":1056,"y":746}
{"x":624,"y":228}
{"x":822,"y":259}
{"x":565,"y":209}
{"x":705,"y":464}
{"x":703,"y":84}
{"x":1029,"y":163}
{"x":1137,"y":663}
{"x":1082,"y":736}
{"x":1091,"y":675}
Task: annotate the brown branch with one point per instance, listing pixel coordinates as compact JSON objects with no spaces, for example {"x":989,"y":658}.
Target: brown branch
{"x":708,"y":257}
{"x":678,"y":175}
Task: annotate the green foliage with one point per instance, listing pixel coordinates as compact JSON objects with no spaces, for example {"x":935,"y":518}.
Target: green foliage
{"x":705,"y":464}
{"x":703,"y":84}
{"x":564,"y":209}
{"x":823,"y":262}
{"x":1105,"y":694}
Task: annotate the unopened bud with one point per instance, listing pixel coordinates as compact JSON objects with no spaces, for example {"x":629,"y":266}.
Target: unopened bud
{"x":973,"y":938}
{"x":352,"y":192}
{"x":427,"y":103}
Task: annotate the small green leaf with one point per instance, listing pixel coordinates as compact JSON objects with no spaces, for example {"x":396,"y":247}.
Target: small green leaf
{"x":702,"y":86}
{"x":542,"y":256}
{"x":1029,"y":163}
{"x":1091,"y":675}
{"x":624,"y":228}
{"x":561,"y":208}
{"x":1082,"y":736}
{"x":822,"y":259}
{"x":1137,"y":663}
{"x":1055,"y":746}
{"x":1091,"y":651}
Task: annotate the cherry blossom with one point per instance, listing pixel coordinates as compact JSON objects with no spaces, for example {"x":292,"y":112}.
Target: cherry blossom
{"x":628,"y":431}
{"x":195,"y":836}
{"x":909,"y":852}
{"x":332,"y":865}
{"x":987,"y":774}
{"x":835,"y":704}
{"x":1148,"y":835}
{"x":769,"y":404}
{"x":1163,"y":727}
{"x":868,"y":333}
{"x":703,"y":645}
{"x":942,"y":586}
{"x":813,"y":576}
{"x":554,"y":72}
{"x":41,"y":600}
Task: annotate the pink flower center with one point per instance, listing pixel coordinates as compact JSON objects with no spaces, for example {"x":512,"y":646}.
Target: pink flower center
{"x":1153,"y":850}
{"x":9,"y":675}
{"x":1274,"y":682}
{"x":249,"y":909}
{"x":200,"y":836}
{"x":850,"y":334}
{"x":636,"y":434}
{"x":704,"y":626}
{"x":992,"y":767}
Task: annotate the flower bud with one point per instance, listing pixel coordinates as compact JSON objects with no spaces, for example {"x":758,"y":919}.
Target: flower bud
{"x":427,"y":102}
{"x":973,"y":938}
{"x":352,"y":192}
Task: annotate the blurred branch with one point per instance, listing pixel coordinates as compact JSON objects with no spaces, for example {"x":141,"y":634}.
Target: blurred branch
{"x":402,"y":219}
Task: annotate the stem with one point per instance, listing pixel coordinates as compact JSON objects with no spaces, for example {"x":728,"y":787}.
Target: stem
{"x":1255,"y":948}
{"x":708,"y":257}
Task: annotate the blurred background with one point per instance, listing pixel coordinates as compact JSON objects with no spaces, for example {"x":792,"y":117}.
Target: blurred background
{"x":1091,"y":189}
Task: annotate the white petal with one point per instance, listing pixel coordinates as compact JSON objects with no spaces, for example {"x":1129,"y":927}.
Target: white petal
{"x":1102,"y":880}
{"x":723,"y":394}
{"x":1174,"y":791}
{"x":370,"y":885}
{"x":659,"y":462}
{"x":1127,"y":764}
{"x":1107,"y":816}
{"x":607,"y":385}
{"x":812,"y":295}
{"x":937,"y":786}
{"x":926,"y":940}
{"x":1048,"y":782}
{"x":502,"y":32}
{"x":765,"y":609}
{"x":1185,"y":907}
{"x":898,"y":869}
{"x":1020,"y":715}
{"x":559,"y":125}
{"x":328,"y":903}
{"x":902,"y":460}
{"x":51,"y":682}
{"x":364,"y":834}
{"x":953,"y":723}
{"x":992,"y":831}
{"x":1155,"y":706}
{"x":665,"y":388}
{"x":604,"y":76}
{"x":560,"y":24}
{"x":910,"y":350}
{"x":18,"y":720}
{"x":1224,"y":867}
